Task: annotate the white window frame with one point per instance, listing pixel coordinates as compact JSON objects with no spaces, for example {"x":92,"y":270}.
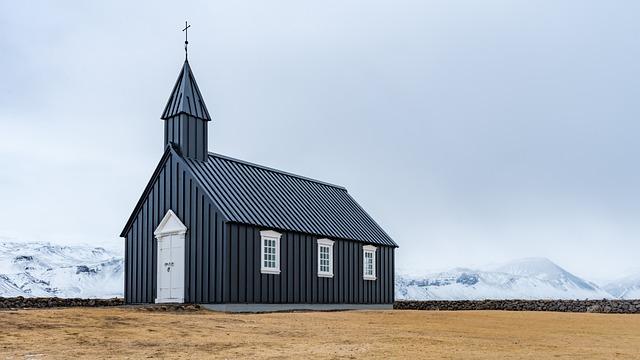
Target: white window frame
{"x":327,"y":243}
{"x":270,"y":235}
{"x":368,"y":249}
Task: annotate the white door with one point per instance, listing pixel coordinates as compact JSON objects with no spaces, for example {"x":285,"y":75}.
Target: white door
{"x":170,"y":287}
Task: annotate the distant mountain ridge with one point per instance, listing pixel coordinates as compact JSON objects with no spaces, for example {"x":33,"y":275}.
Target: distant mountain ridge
{"x":530,"y":278}
{"x":43,"y":269}
{"x":625,"y":288}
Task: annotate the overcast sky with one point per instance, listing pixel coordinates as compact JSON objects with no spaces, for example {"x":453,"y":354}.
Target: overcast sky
{"x":472,"y":131}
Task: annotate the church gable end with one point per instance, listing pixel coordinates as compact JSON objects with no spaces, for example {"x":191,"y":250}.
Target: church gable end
{"x":173,"y":188}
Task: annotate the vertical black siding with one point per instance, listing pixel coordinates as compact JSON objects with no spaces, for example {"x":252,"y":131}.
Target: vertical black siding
{"x":175,"y":189}
{"x":219,"y":261}
{"x":128,"y":255}
{"x":298,"y":281}
{"x":189,"y":133}
{"x":222,"y":261}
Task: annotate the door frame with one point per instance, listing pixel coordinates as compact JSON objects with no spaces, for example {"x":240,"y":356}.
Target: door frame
{"x":170,"y":227}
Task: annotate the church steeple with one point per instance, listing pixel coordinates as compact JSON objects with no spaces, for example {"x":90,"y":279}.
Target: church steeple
{"x":185,"y":97}
{"x":186,"y":117}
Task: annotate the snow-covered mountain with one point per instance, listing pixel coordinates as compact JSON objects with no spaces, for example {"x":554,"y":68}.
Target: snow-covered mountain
{"x":42,"y":269}
{"x":625,"y":288}
{"x":532,"y":278}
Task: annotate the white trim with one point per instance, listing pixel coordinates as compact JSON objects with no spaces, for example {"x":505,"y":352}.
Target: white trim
{"x":270,"y":235}
{"x":327,"y":243}
{"x":169,"y":301}
{"x":170,"y":225}
{"x":368,"y":249}
{"x":270,"y":271}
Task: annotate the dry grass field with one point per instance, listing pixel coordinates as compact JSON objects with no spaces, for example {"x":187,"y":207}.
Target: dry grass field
{"x":136,"y":333}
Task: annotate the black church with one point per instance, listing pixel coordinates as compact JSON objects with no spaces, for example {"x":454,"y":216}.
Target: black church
{"x":237,"y":236}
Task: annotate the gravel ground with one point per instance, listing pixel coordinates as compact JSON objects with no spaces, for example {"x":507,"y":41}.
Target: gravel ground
{"x":128,"y":332}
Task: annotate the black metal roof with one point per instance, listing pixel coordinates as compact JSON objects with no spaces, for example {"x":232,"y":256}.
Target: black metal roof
{"x":185,"y":97}
{"x":257,"y":195}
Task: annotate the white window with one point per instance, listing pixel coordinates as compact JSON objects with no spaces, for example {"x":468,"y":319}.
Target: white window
{"x":369,"y":262}
{"x":270,"y":253}
{"x":325,"y":258}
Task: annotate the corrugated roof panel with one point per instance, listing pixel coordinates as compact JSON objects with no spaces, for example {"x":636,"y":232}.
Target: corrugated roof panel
{"x":268,"y":203}
{"x":262,"y":196}
{"x":253,"y":199}
{"x":203,"y":175}
{"x":309,"y":215}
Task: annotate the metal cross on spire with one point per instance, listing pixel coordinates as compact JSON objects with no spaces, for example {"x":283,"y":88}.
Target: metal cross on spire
{"x":186,"y":41}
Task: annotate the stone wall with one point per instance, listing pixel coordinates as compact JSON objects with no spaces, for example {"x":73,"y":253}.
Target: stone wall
{"x":47,"y":302}
{"x":592,"y":306}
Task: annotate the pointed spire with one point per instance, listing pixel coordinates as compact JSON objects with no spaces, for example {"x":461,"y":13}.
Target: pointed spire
{"x":185,"y":97}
